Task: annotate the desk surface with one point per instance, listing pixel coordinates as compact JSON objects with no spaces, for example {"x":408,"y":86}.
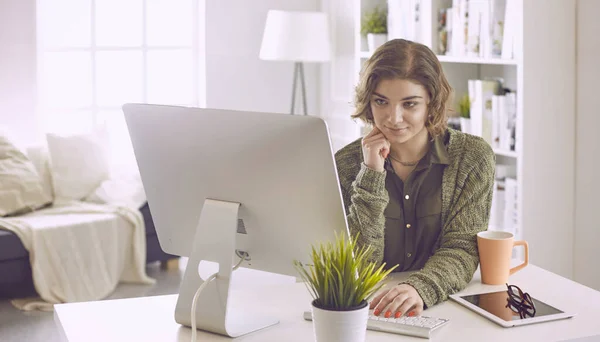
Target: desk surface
{"x":152,"y":318}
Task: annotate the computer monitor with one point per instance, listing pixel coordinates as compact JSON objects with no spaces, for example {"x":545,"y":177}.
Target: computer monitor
{"x":225,"y":184}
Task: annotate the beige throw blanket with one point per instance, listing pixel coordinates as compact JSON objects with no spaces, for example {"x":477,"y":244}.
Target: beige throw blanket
{"x":80,"y":251}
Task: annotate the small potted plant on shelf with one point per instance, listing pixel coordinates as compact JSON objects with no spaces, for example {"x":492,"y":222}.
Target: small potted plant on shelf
{"x":464,"y":108}
{"x":374,"y":27}
{"x":340,"y":280}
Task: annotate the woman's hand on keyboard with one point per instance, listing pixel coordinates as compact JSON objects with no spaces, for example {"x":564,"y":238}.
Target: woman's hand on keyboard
{"x":400,"y":300}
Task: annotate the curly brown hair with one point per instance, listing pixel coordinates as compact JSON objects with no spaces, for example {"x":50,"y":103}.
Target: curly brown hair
{"x":404,"y":59}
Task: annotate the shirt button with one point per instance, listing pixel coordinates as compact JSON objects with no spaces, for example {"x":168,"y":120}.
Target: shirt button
{"x":407,"y":197}
{"x":408,"y":225}
{"x":408,"y":255}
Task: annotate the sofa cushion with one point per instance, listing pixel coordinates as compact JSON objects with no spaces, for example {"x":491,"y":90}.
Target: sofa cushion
{"x":11,"y":247}
{"x":127,"y":191}
{"x":78,"y":163}
{"x":21,"y":187}
{"x":38,"y":154}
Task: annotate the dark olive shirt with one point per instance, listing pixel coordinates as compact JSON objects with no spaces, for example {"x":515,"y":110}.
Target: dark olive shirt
{"x":413,"y":219}
{"x":467,"y":188}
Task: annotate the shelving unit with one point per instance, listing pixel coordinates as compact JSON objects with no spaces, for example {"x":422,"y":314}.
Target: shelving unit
{"x":463,"y":60}
{"x":458,"y":70}
{"x":542,"y":75}
{"x":505,"y":153}
{"x":473,"y":60}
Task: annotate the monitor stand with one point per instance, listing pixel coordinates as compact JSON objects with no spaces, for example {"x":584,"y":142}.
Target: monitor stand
{"x":217,"y":311}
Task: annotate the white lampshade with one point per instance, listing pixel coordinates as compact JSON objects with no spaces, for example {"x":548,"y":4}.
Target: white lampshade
{"x":296,"y":36}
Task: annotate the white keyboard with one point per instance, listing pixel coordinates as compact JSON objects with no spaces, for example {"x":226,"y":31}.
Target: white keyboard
{"x":419,"y":326}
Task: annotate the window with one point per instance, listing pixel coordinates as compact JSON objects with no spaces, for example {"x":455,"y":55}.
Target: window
{"x":96,"y":55}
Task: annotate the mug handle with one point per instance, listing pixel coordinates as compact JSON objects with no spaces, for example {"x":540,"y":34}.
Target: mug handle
{"x":526,"y":262}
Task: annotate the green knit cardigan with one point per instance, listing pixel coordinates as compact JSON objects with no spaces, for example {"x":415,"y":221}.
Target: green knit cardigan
{"x":467,"y":186}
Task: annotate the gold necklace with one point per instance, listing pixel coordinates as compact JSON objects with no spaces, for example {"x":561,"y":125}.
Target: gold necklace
{"x":404,"y":163}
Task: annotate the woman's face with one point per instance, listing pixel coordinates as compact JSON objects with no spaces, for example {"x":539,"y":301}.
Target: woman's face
{"x":399,"y":109}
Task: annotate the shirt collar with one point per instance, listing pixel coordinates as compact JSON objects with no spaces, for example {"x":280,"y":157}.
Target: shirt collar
{"x":437,"y":154}
{"x":438,"y":151}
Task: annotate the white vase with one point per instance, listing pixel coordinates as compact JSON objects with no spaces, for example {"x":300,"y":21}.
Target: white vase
{"x":375,"y":40}
{"x":340,"y":326}
{"x":465,"y":125}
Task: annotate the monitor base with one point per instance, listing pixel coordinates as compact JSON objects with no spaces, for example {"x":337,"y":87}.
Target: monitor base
{"x":216,"y":310}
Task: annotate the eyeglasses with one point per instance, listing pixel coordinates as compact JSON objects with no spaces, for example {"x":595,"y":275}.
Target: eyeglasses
{"x":520,"y":302}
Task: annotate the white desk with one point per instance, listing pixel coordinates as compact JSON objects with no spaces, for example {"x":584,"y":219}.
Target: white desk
{"x":152,"y":318}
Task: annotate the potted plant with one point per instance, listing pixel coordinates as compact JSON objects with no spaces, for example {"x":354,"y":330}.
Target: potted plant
{"x":464,"y":108}
{"x":374,"y":27}
{"x":340,"y":280}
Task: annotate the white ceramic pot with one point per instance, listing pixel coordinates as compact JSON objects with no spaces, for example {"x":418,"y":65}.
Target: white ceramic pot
{"x":375,"y":40}
{"x":465,"y":125}
{"x":340,"y":326}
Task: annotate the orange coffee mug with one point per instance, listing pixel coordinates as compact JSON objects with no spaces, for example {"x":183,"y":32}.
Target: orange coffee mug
{"x":495,"y":254}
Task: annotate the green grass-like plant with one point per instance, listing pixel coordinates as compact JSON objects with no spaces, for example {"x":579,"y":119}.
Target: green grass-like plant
{"x":341,"y":276}
{"x":374,"y":21}
{"x":464,"y":106}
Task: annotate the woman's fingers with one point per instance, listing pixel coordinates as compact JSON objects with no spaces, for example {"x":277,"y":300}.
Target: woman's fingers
{"x":377,"y":140}
{"x":382,"y":305}
{"x":416,"y":311}
{"x":377,"y":299}
{"x":396,"y":306}
{"x":407,"y":307}
{"x":386,"y":149}
{"x":373,"y":137}
{"x":398,"y":301}
{"x":373,"y":132}
{"x":375,"y":143}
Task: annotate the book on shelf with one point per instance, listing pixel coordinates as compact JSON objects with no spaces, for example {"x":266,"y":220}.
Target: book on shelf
{"x":511,"y":214}
{"x":497,"y":210}
{"x":444,"y":30}
{"x":504,"y":214}
{"x":498,"y":14}
{"x":493,"y":113}
{"x":407,"y":19}
{"x":478,"y":29}
{"x":509,"y":29}
{"x":504,"y":114}
{"x":459,"y":28}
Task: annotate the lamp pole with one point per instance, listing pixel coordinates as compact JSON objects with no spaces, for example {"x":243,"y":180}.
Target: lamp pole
{"x":298,"y":72}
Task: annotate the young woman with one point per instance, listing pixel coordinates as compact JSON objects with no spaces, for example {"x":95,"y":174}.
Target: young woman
{"x":417,"y":191}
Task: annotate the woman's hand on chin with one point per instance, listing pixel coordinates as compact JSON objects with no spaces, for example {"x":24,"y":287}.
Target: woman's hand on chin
{"x":375,"y":148}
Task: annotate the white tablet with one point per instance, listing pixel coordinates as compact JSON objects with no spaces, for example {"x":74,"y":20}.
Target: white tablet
{"x":493,"y":305}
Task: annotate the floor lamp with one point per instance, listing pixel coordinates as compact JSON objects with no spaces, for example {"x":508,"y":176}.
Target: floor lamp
{"x":299,"y":37}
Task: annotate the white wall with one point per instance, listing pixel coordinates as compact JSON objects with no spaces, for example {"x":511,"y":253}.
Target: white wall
{"x":235,"y":76}
{"x":17,"y":70}
{"x":548,"y":140}
{"x":587,"y":221}
{"x":339,"y":77}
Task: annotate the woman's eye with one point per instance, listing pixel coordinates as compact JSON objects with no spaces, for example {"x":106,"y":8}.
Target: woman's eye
{"x":380,"y":102}
{"x":409,"y":104}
